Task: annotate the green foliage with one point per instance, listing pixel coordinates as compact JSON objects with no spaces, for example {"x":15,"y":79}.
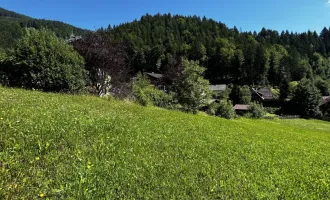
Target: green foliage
{"x":256,"y":110}
{"x":241,"y":95}
{"x":292,"y":87}
{"x":306,"y":99}
{"x":83,"y":147}
{"x":225,"y":95}
{"x":3,"y":77}
{"x":226,"y":110}
{"x":323,"y":86}
{"x":13,"y":24}
{"x":212,"y":108}
{"x":146,"y":94}
{"x":42,"y":61}
{"x":276,"y":92}
{"x":193,"y":90}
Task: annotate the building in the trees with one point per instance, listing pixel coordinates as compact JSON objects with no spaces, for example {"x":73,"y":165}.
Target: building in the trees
{"x":266,"y":97}
{"x":217,"y":90}
{"x":156,"y":79}
{"x":325,"y":105}
{"x":241,"y":109}
{"x":262,"y":94}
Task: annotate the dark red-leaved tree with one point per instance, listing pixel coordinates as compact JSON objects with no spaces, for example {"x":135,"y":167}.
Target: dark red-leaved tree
{"x":104,"y":59}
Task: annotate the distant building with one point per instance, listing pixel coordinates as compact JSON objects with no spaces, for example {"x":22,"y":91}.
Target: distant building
{"x":155,"y":76}
{"x":241,"y":108}
{"x":266,"y":97}
{"x":156,"y":80}
{"x":263,"y":94}
{"x":217,"y":90}
{"x":325,"y":105}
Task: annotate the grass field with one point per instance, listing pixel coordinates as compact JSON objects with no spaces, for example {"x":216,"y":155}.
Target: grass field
{"x":78,"y":147}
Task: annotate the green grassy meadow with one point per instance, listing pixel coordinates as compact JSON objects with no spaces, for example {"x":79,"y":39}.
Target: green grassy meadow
{"x":56,"y":146}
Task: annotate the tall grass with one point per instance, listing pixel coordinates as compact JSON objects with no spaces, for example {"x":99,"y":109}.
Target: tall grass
{"x":79,"y":147}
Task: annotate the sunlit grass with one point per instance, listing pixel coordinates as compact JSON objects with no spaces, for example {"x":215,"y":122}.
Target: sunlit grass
{"x":80,"y":147}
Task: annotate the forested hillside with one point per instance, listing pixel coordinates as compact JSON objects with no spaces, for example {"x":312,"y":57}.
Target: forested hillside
{"x":12,"y":26}
{"x":231,"y":56}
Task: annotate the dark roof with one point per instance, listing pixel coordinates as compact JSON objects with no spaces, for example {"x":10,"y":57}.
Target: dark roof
{"x":241,"y":107}
{"x":325,"y":100}
{"x":264,"y":93}
{"x":154,"y":75}
{"x":218,"y":87}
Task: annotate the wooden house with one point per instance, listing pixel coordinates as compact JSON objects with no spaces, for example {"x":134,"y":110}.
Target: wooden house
{"x":241,"y":109}
{"x":325,"y":105}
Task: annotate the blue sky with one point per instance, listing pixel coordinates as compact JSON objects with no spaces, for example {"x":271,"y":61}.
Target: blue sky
{"x":292,"y":15}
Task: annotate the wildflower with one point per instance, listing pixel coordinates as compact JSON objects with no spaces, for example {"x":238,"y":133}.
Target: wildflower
{"x":41,"y":195}
{"x":89,"y":165}
{"x":37,"y":158}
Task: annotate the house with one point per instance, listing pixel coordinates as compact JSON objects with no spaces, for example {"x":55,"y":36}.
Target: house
{"x":325,"y":105}
{"x":241,"y":108}
{"x":263,"y":94}
{"x":156,"y":80}
{"x":217,"y":90}
{"x":155,"y":76}
{"x":266,"y":97}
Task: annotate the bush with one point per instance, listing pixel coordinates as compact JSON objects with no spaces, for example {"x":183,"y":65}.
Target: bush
{"x":256,"y":110}
{"x":212,"y":108}
{"x":3,"y":76}
{"x":272,"y":110}
{"x":146,"y":94}
{"x":240,"y":95}
{"x":306,"y":99}
{"x":192,"y":89}
{"x":226,"y":110}
{"x":323,"y":86}
{"x":42,"y":61}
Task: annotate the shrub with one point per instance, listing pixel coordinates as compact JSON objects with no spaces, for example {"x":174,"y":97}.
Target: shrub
{"x":240,"y":95}
{"x":306,"y":99}
{"x":3,"y":76}
{"x":226,"y":110}
{"x":42,"y":61}
{"x":323,"y":86}
{"x":256,"y":110}
{"x":146,"y":94}
{"x":192,"y":89}
{"x":212,"y":108}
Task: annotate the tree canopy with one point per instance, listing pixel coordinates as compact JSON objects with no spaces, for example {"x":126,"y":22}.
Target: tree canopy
{"x":40,"y":60}
{"x":230,"y":56}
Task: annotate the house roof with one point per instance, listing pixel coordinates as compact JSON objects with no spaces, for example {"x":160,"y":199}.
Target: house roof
{"x":222,"y":87}
{"x":154,"y":75}
{"x":264,"y":93}
{"x":325,"y":100}
{"x":241,"y":107}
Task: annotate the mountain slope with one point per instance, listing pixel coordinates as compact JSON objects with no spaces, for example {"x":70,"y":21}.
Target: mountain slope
{"x":81,"y":147}
{"x":230,"y":56}
{"x":12,"y":26}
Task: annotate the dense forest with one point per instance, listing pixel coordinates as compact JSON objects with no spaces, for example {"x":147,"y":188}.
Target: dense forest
{"x":12,"y":27}
{"x":230,"y":56}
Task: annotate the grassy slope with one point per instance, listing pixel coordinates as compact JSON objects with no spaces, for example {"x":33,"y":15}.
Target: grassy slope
{"x":61,"y":146}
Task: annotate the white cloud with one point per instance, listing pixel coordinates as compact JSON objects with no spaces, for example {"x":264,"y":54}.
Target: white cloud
{"x":328,"y":2}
